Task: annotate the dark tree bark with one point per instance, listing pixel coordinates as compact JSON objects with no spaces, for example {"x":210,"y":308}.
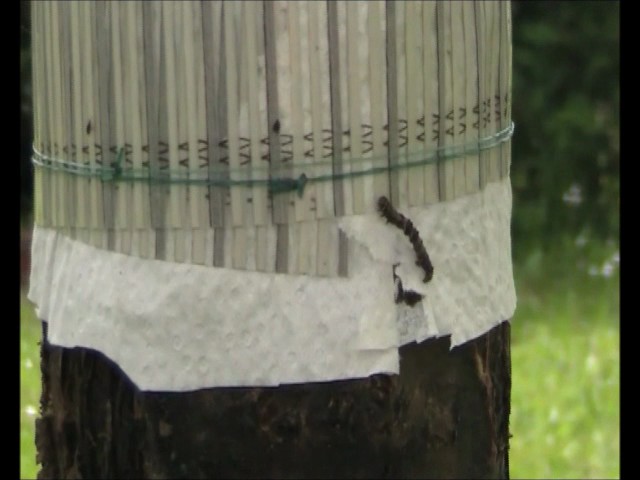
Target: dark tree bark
{"x":445,"y":416}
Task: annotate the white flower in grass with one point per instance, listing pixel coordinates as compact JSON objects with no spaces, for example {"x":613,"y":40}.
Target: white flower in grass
{"x":573,"y":196}
{"x":581,"y":240}
{"x":30,"y":410}
{"x":607,"y":269}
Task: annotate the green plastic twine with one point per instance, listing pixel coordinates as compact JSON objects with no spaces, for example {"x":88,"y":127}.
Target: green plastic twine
{"x":224,"y":177}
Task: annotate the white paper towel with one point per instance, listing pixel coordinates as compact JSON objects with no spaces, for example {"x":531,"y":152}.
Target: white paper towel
{"x":176,"y":327}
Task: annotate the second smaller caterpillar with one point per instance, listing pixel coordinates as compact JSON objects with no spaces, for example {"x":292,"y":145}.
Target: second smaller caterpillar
{"x":403,"y":223}
{"x":409,"y":297}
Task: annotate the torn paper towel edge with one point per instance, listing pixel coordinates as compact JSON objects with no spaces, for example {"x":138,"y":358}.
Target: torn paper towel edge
{"x":469,"y":243}
{"x":177,"y":327}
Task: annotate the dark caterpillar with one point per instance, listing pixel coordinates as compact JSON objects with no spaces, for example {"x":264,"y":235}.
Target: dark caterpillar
{"x":410,"y":297}
{"x":403,"y":223}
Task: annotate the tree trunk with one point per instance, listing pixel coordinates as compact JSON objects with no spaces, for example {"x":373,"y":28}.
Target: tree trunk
{"x":445,"y":416}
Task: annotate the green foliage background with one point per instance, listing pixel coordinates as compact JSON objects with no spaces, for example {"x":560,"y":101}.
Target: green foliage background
{"x":566,"y":104}
{"x":565,"y":175}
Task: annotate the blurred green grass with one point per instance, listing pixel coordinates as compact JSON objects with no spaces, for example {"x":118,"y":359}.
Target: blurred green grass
{"x":565,"y":359}
{"x":30,"y":334}
{"x":565,"y":417}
